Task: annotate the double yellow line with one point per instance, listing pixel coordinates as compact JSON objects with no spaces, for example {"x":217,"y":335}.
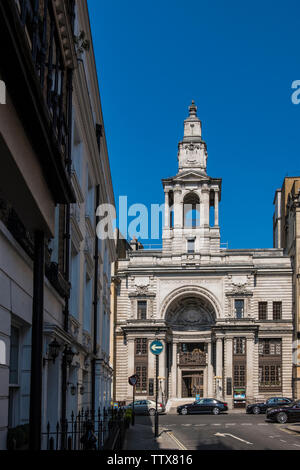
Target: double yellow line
{"x":180,"y":445}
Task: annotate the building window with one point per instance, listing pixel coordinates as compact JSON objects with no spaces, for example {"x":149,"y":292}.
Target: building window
{"x":142,"y":309}
{"x":142,"y":376}
{"x":191,"y":246}
{"x":270,"y":376}
{"x":270,"y":364}
{"x":141,"y":365}
{"x":239,"y":375}
{"x":270,"y":347}
{"x":277,"y":310}
{"x":239,"y":346}
{"x":262,"y":310}
{"x":239,"y":308}
{"x":141,"y":346}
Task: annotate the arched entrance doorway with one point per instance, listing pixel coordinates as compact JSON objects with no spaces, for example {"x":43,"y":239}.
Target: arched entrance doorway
{"x":190,"y":318}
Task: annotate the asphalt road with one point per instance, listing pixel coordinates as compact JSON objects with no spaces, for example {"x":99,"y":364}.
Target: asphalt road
{"x":230,"y":431}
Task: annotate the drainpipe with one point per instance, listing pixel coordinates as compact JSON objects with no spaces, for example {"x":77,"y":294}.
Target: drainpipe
{"x":96,"y":278}
{"x":35,"y":420}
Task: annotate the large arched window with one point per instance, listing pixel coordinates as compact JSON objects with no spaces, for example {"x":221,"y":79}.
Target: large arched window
{"x":191,"y":211}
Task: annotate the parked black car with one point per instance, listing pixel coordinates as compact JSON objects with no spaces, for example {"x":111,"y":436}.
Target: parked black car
{"x":204,"y":405}
{"x":282,"y":414}
{"x":257,"y":408}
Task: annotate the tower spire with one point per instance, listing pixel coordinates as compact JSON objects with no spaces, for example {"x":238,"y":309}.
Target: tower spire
{"x":192,"y":152}
{"x":193,"y":109}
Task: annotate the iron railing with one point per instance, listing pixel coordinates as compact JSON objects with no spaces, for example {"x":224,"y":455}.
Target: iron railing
{"x":87,"y":431}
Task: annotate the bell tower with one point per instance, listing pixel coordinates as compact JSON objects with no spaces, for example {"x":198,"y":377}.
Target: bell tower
{"x":192,"y":198}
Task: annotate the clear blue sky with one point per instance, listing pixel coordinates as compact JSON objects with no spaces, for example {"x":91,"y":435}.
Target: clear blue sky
{"x":237,"y":60}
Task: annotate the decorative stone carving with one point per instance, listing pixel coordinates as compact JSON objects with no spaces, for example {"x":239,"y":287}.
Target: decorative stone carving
{"x":141,"y":282}
{"x":240,"y":281}
{"x":190,"y":313}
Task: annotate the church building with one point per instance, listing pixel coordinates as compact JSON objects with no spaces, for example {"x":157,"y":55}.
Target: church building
{"x":224,"y":316}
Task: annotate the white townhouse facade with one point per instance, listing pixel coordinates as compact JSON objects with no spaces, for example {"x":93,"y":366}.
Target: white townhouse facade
{"x":53,"y":268}
{"x":90,"y":317}
{"x":224,"y":316}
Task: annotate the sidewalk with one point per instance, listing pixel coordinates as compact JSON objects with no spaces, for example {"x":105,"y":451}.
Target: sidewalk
{"x":141,"y":437}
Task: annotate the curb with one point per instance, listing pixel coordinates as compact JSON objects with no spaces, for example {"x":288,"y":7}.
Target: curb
{"x":293,"y":428}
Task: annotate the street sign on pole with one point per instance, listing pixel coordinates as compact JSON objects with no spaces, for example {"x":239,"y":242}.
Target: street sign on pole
{"x":156,"y":347}
{"x":132,"y":380}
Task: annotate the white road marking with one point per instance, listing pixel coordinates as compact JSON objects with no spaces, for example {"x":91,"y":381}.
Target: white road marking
{"x":281,"y":440}
{"x":198,"y":425}
{"x":186,"y":425}
{"x":297,"y":445}
{"x":230,"y":424}
{"x":216,"y":424}
{"x":246,"y":424}
{"x":263,"y":424}
{"x":218,"y":434}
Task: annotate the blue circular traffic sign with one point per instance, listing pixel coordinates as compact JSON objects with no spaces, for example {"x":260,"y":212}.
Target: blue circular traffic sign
{"x":156,"y":347}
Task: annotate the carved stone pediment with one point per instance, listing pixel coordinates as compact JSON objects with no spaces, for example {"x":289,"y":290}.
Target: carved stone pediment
{"x":141,"y":291}
{"x":239,"y":291}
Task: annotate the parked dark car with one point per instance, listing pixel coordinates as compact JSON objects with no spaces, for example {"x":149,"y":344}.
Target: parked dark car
{"x":257,"y":408}
{"x":204,"y":405}
{"x":285,"y":413}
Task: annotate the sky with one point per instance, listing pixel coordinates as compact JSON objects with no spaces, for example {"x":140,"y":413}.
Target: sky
{"x":237,"y":60}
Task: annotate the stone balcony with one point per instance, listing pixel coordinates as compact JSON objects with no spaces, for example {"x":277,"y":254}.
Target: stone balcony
{"x":192,"y":358}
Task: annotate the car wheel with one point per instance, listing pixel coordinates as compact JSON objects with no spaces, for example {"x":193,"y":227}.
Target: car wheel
{"x":184,"y":411}
{"x":282,"y":418}
{"x":152,"y":412}
{"x":256,"y":410}
{"x":216,"y":411}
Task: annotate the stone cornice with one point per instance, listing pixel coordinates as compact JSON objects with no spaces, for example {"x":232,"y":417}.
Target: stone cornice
{"x":65,"y":33}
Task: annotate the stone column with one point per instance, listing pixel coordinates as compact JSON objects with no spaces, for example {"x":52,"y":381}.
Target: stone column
{"x":210,"y":371}
{"x":204,"y":207}
{"x":216,"y":207}
{"x":228,"y":366}
{"x":249,"y":373}
{"x":219,"y":369}
{"x":130,"y":364}
{"x":162,"y":370}
{"x":174,"y":371}
{"x":167,"y":210}
{"x":178,"y":209}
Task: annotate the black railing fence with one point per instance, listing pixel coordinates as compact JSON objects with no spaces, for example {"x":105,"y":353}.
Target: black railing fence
{"x":87,"y":431}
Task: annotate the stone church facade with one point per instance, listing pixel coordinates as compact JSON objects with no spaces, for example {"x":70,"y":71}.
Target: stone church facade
{"x":224,"y":316}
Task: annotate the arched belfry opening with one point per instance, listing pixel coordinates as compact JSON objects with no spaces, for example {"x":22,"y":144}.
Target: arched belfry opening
{"x":193,"y":225}
{"x":191,"y":211}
